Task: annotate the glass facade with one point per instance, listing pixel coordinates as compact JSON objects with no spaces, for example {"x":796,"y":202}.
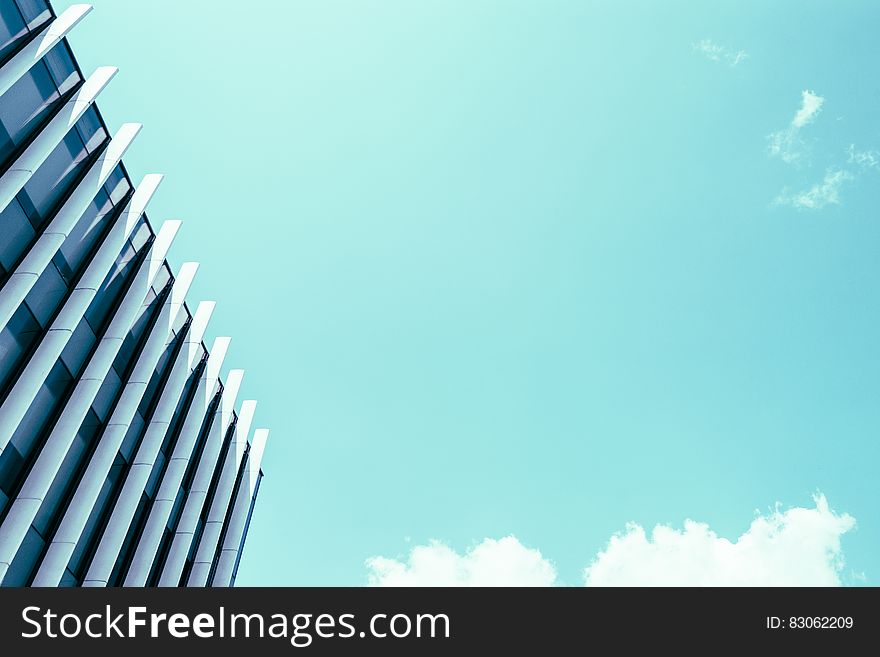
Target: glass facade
{"x":19,"y":20}
{"x":78,"y":399}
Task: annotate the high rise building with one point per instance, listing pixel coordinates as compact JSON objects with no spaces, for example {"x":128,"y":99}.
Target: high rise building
{"x":123,"y":459}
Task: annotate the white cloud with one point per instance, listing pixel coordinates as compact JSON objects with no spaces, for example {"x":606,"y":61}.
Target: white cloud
{"x":797,"y":547}
{"x":864,"y":159}
{"x":819,"y":195}
{"x":718,"y":53}
{"x":787,"y":144}
{"x":505,"y":562}
{"x":811,"y":103}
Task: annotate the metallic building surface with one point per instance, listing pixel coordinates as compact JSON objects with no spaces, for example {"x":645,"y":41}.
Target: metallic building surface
{"x":126,"y":458}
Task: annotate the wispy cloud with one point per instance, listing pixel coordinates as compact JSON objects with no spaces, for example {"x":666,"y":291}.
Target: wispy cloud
{"x":819,"y":195}
{"x":718,"y":53}
{"x":863,"y":159}
{"x":787,"y":143}
{"x":796,"y":547}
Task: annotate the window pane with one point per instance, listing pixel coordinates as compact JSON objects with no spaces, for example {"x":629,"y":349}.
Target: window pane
{"x":162,"y":278}
{"x":141,"y":234}
{"x":91,"y":130}
{"x":165,"y":361}
{"x":84,"y":236}
{"x":11,"y":463}
{"x":117,"y":185}
{"x":38,"y":416}
{"x":78,"y":348}
{"x":68,"y":580}
{"x":46,"y":295}
{"x":132,"y":437}
{"x":92,"y":530}
{"x":126,"y":352}
{"x":35,"y":12}
{"x":52,"y":179}
{"x":64,"y":480}
{"x":25,"y":560}
{"x":16,"y":234}
{"x":62,"y":68}
{"x":12,"y":29}
{"x":107,"y":394}
{"x":25,"y":105}
{"x":16,"y":339}
{"x":99,"y":309}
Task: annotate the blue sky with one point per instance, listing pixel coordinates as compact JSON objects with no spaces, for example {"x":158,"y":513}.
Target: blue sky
{"x":523,"y":268}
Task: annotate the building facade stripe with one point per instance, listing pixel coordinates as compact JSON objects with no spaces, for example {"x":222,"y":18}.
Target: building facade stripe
{"x":215,"y":467}
{"x":40,"y":44}
{"x":121,"y":451}
{"x":69,"y":532}
{"x":56,"y":338}
{"x":48,"y":139}
{"x":226,"y":563}
{"x":41,"y":253}
{"x":27,"y":502}
{"x":141,"y":467}
{"x":172,"y":479}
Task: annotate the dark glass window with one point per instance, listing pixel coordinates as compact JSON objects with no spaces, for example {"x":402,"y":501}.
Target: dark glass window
{"x":181,"y":321}
{"x":141,"y":233}
{"x":28,"y":433}
{"x":16,"y":339}
{"x":155,"y":475}
{"x":123,"y":561}
{"x":16,"y":233}
{"x":34,"y":97}
{"x":85,"y":234}
{"x":52,"y":179}
{"x":67,"y":579}
{"x":65,"y":479}
{"x":98,"y":312}
{"x":25,"y":559}
{"x":11,"y":463}
{"x":24,"y":106}
{"x":107,"y":394}
{"x":92,"y":225}
{"x":46,"y":295}
{"x":165,"y":361}
{"x":35,"y":12}
{"x":162,"y":278}
{"x":106,"y":297}
{"x":60,"y":64}
{"x":132,"y":437}
{"x":145,"y":314}
{"x":78,"y":348}
{"x":12,"y":29}
{"x":117,"y":185}
{"x":87,"y":544}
